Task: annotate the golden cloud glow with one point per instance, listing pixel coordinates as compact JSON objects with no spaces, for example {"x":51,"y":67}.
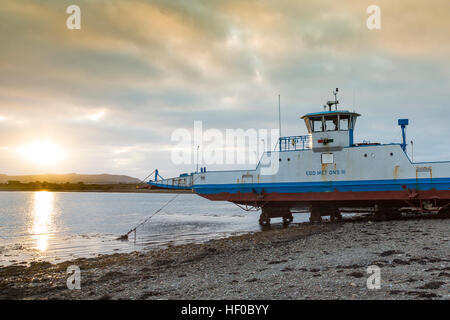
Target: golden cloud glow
{"x":96,"y":116}
{"x":139,"y":69}
{"x":42,"y":152}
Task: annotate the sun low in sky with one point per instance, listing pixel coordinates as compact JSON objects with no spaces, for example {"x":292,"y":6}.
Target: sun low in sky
{"x":42,"y":153}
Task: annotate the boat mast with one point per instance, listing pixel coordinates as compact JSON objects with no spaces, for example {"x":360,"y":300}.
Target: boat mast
{"x":279,"y":122}
{"x":279,"y":115}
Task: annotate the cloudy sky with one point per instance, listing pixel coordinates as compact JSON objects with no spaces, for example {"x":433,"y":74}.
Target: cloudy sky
{"x":110,"y":95}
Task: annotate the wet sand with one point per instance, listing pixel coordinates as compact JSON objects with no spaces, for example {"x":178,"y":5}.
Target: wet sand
{"x":325,"y":261}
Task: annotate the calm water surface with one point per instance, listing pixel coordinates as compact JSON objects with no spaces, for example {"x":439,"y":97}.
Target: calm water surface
{"x":58,"y":226}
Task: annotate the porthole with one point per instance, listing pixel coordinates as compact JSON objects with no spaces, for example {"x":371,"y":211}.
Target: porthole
{"x":392,"y":154}
{"x":279,"y":159}
{"x":288,"y":159}
{"x":365,"y":156}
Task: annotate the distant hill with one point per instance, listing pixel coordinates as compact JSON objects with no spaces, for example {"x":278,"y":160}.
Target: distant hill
{"x":72,"y":178}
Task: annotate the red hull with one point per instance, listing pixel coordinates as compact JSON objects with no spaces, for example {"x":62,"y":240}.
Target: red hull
{"x":350,"y":199}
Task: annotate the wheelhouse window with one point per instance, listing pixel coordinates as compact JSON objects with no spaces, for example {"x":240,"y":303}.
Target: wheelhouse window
{"x":331,"y":123}
{"x":317,"y":124}
{"x":344,"y":122}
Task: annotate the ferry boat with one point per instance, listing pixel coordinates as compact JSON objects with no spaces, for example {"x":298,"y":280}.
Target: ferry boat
{"x":326,"y":173}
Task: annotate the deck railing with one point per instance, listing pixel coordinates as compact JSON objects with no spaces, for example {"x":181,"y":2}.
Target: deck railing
{"x":294,"y":143}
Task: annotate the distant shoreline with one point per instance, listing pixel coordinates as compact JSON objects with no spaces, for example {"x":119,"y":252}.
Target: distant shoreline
{"x":106,"y":191}
{"x":82,"y":187}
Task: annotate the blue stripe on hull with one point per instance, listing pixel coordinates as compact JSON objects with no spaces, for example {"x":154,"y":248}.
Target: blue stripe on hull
{"x":328,"y":186}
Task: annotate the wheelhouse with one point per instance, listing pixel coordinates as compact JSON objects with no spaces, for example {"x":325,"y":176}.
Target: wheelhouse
{"x":331,"y":128}
{"x":330,"y":121}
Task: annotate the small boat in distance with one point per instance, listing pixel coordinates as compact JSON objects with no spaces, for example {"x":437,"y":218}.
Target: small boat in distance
{"x":326,"y":172}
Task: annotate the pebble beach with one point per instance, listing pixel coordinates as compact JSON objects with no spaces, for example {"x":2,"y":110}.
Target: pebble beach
{"x":304,"y":261}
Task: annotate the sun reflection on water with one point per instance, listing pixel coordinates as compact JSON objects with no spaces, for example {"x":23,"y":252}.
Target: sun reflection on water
{"x":43,"y":208}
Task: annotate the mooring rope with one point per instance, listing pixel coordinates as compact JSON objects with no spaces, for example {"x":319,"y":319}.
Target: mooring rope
{"x":125,"y":236}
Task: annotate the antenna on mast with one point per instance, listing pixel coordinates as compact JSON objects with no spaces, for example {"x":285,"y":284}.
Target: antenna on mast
{"x":335,"y":102}
{"x":335,"y":96}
